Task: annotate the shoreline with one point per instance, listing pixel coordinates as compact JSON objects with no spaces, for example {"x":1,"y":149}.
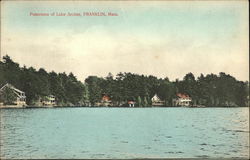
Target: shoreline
{"x":45,"y":107}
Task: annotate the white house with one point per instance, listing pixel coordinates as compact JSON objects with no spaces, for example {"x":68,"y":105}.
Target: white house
{"x":182,"y":100}
{"x":49,"y":100}
{"x":20,"y":95}
{"x":156,"y":101}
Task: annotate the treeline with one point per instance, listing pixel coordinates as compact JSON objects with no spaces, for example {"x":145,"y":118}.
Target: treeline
{"x":39,"y":83}
{"x":209,"y":90}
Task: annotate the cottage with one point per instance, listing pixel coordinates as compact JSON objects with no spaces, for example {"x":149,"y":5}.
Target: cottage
{"x":182,"y":100}
{"x":20,"y":98}
{"x":49,"y":100}
{"x":131,"y":103}
{"x":156,"y":101}
{"x":106,"y":101}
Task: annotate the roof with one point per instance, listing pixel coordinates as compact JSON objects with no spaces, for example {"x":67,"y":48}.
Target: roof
{"x":17,"y":91}
{"x":182,"y":95}
{"x":131,"y":102}
{"x":106,"y":98}
{"x":155,"y":98}
{"x":3,"y":86}
{"x":12,"y":87}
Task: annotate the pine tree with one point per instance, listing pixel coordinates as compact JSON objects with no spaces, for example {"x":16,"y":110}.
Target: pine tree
{"x":145,"y":102}
{"x":139,"y":102}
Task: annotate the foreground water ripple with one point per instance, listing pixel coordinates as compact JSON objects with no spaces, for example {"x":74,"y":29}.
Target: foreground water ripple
{"x":124,"y":133}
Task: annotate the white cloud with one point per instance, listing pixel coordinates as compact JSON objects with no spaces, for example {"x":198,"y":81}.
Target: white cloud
{"x":97,"y":51}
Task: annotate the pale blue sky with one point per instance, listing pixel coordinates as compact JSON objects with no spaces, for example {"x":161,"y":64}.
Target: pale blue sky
{"x":163,"y":38}
{"x":197,"y":20}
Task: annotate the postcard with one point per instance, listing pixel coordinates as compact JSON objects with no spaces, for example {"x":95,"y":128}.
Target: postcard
{"x":124,"y":79}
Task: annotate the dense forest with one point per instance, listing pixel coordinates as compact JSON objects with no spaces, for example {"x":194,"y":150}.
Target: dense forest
{"x":209,"y":90}
{"x":39,"y":83}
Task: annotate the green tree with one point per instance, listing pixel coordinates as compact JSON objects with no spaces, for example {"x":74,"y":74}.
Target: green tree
{"x":145,"y":102}
{"x":7,"y":96}
{"x":209,"y":90}
{"x":95,"y":91}
{"x":139,"y":102}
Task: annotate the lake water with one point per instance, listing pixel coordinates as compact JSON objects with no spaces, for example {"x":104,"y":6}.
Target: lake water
{"x":124,"y":133}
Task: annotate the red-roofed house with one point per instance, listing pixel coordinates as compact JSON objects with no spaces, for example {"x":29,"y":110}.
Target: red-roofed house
{"x":131,"y":103}
{"x":105,"y":98}
{"x":182,"y":100}
{"x":106,"y":101}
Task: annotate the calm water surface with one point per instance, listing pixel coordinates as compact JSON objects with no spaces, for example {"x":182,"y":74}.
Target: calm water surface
{"x":124,"y":133}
